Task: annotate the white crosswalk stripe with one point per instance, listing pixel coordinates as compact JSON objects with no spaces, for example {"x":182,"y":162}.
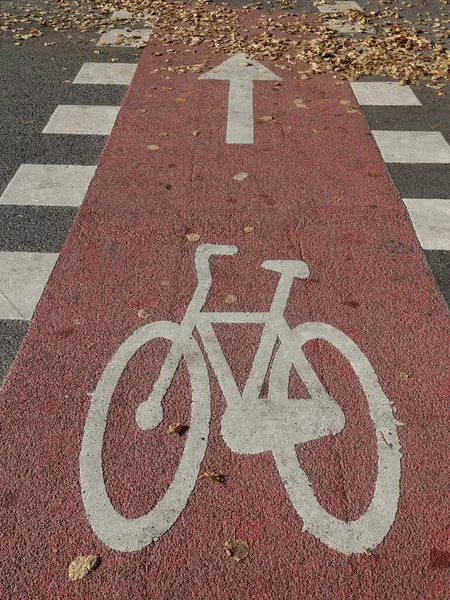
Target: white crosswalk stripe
{"x":23,"y":277}
{"x":48,"y":185}
{"x":413,"y":146}
{"x":82,"y":120}
{"x":106,"y":74}
{"x":431,"y":221}
{"x":379,"y":93}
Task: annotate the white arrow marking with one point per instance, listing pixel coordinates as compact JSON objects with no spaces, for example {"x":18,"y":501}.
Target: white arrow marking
{"x":241,"y":72}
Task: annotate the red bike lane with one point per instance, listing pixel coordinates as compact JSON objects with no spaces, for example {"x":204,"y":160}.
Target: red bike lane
{"x":309,"y":186}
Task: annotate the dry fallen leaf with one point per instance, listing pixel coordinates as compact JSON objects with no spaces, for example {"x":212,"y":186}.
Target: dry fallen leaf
{"x":344,"y":102}
{"x":114,"y":60}
{"x":338,"y":198}
{"x":192,"y":237}
{"x":230,"y":299}
{"x":265,"y":118}
{"x":403,"y":375}
{"x":174,"y":428}
{"x":144,"y":314}
{"x":196,"y":132}
{"x":372,"y":173}
{"x":163,"y":134}
{"x":249,"y":229}
{"x":366,"y":551}
{"x":299,"y":103}
{"x":213,"y":477}
{"x":180,"y":99}
{"x":237,"y":549}
{"x":82,"y":566}
{"x":240,"y":176}
{"x":153,"y":147}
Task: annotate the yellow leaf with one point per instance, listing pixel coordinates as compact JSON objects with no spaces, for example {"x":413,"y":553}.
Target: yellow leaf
{"x":196,"y":132}
{"x":82,"y":566}
{"x":153,"y":147}
{"x":265,"y":118}
{"x":180,"y":99}
{"x":403,"y":375}
{"x":249,"y":229}
{"x":237,"y":549}
{"x":344,"y":102}
{"x":192,"y":237}
{"x":163,"y":134}
{"x":114,"y":60}
{"x":174,"y":428}
{"x":230,"y":299}
{"x":213,"y":477}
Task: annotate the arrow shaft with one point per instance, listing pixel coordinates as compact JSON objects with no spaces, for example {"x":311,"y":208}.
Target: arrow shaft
{"x":240,"y":112}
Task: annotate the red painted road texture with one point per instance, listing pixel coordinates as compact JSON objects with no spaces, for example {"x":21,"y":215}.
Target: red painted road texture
{"x":316,"y":190}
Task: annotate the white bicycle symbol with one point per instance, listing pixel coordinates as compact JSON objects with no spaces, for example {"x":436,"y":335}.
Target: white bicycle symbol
{"x":250,"y":425}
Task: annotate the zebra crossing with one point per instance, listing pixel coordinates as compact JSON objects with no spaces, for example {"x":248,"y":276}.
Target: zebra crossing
{"x":430,"y":216}
{"x":44,"y":193}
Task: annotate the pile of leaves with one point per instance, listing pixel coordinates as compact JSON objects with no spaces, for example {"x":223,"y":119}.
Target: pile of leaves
{"x":384,"y":47}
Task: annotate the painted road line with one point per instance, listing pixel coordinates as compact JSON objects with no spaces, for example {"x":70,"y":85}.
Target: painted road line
{"x":240,"y":72}
{"x":337,"y":7}
{"x":122,"y":37}
{"x":413,"y":146}
{"x":340,"y":23}
{"x":82,"y":120}
{"x":23,"y":277}
{"x":121,"y":15}
{"x":48,"y":185}
{"x":375,"y":93}
{"x":106,"y":73}
{"x":431,"y":220}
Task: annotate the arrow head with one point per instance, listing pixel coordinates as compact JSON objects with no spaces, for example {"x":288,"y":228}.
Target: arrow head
{"x":242,"y":68}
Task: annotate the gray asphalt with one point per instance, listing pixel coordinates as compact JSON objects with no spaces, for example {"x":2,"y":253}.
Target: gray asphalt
{"x":36,"y":78}
{"x":33,"y":82}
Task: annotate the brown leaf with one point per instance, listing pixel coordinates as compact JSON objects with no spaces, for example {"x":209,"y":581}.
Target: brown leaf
{"x":403,"y":375}
{"x":344,"y":102}
{"x":237,"y":549}
{"x":82,"y":566}
{"x":249,"y":229}
{"x":372,"y":173}
{"x":196,"y":132}
{"x":230,"y":299}
{"x":180,"y":99}
{"x":192,"y":237}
